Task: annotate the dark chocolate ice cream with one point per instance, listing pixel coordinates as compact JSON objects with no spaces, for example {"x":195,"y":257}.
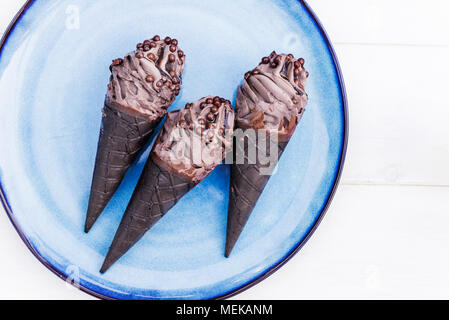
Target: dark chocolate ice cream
{"x":141,"y":88}
{"x":271,"y":100}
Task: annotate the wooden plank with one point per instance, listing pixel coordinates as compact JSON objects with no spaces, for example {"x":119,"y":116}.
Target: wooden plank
{"x":8,"y":10}
{"x":388,"y":242}
{"x":412,"y":22}
{"x":376,"y":242}
{"x":399,"y":114}
{"x":353,"y":21}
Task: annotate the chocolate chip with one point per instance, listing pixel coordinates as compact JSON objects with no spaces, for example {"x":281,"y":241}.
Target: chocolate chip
{"x":152,"y":56}
{"x":117,"y":62}
{"x":278,"y":59}
{"x":210,"y":116}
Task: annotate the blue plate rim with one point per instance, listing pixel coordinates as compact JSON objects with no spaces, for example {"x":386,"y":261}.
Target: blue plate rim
{"x":272,"y":269}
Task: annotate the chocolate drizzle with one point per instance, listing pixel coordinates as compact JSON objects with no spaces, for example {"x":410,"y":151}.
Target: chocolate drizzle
{"x":193,"y":140}
{"x":148,"y":80}
{"x":272,"y":96}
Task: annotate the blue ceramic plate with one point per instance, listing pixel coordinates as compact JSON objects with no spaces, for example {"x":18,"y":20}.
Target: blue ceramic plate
{"x":53,"y":76}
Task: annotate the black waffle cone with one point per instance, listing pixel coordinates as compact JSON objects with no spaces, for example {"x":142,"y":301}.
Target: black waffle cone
{"x":157,"y":191}
{"x":248,"y":181}
{"x":122,"y":137}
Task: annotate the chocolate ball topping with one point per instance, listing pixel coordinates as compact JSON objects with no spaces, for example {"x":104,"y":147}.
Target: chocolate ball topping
{"x":152,"y":56}
{"x":211,"y":116}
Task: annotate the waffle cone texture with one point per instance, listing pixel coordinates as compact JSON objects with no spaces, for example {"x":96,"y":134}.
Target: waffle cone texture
{"x":122,"y":137}
{"x":248,"y":181}
{"x":157,"y":191}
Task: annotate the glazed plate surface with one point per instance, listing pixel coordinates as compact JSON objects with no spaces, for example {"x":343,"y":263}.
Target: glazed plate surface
{"x":53,"y":77}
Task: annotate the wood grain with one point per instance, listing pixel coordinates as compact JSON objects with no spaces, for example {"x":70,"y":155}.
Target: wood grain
{"x":398,"y":22}
{"x":376,"y":242}
{"x":385,"y":234}
{"x":398,"y":114}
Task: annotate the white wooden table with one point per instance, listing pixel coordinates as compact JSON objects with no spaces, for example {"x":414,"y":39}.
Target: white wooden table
{"x":386,"y":235}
